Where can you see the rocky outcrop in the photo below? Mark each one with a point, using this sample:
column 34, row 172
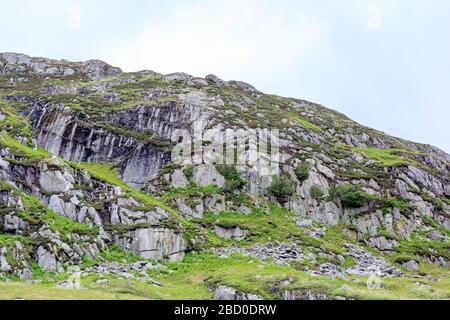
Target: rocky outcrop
column 20, row 63
column 230, row 232
column 92, row 112
column 227, row 293
column 74, row 194
column 151, row 243
column 304, row 295
column 67, row 135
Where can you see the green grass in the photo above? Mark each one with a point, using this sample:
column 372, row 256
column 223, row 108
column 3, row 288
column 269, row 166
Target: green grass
column 7, row 240
column 14, row 124
column 192, row 190
column 21, row 290
column 308, row 125
column 191, row 279
column 418, row 247
column 21, row 150
column 387, row 157
column 277, row 225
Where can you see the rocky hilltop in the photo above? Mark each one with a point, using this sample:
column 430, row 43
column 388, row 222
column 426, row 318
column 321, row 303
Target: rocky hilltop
column 88, row 179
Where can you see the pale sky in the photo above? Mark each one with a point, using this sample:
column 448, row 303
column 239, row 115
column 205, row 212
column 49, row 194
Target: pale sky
column 384, row 63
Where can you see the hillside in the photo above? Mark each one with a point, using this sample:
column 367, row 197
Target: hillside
column 308, row 204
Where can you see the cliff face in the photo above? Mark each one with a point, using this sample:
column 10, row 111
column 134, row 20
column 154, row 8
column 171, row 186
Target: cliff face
column 85, row 163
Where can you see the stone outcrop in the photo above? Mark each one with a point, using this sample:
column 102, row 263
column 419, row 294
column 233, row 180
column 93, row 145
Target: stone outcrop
column 227, row 293
column 152, row 243
column 94, row 113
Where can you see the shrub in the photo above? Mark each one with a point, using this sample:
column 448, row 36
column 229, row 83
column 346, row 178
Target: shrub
column 189, row 171
column 393, row 203
column 351, row 196
column 316, row 192
column 302, row 171
column 233, row 179
column 282, row 188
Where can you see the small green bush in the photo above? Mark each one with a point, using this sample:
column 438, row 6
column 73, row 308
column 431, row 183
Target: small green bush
column 302, row 171
column 317, row 192
column 282, row 188
column 233, row 179
column 392, row 202
column 351, row 196
column 189, row 171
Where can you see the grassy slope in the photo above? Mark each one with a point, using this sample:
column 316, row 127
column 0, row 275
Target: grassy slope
column 19, row 290
column 188, row 279
column 191, row 280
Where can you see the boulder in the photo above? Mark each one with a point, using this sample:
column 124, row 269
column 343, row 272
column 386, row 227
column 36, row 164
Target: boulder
column 4, row 265
column 215, row 79
column 411, row 266
column 304, row 295
column 154, row 243
column 205, row 175
column 54, row 182
column 231, row 232
column 96, row 69
column 177, row 76
column 179, row 179
column 47, row 261
column 227, row 293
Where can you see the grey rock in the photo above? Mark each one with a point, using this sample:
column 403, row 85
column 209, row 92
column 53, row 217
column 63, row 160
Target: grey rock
column 383, row 244
column 177, row 76
column 367, row 264
column 179, row 179
column 411, row 266
column 437, row 236
column 205, row 175
column 281, row 254
column 215, row 79
column 243, row 85
column 16, row 58
column 46, row 260
column 303, row 295
column 4, row 265
column 97, row 69
column 227, row 293
column 152, row 243
column 303, row 223
column 54, row 182
column 230, row 232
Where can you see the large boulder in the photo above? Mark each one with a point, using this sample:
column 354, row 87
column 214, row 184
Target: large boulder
column 154, row 243
column 54, row 182
column 227, row 293
column 96, row 69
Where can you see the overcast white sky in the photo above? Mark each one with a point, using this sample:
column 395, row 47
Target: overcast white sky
column 384, row 63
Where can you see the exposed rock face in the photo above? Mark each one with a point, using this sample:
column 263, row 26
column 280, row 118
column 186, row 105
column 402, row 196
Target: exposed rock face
column 230, row 233
column 282, row 254
column 227, row 293
column 411, row 266
column 304, row 295
column 92, row 112
column 64, row 190
column 18, row 63
column 158, row 244
column 367, row 264
column 61, row 133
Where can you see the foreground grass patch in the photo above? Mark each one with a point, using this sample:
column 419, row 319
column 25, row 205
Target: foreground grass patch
column 387, row 157
column 200, row 273
column 20, row 290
